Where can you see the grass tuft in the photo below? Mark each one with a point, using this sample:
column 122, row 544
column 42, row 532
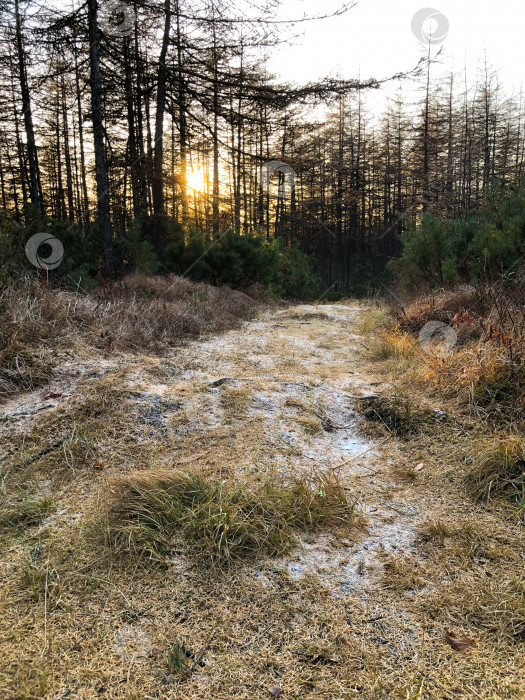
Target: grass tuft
column 399, row 416
column 395, row 344
column 435, row 531
column 374, row 319
column 400, row 574
column 178, row 659
column 310, row 424
column 41, row 582
column 463, row 538
column 498, row 468
column 236, row 402
column 158, row 513
column 26, row 510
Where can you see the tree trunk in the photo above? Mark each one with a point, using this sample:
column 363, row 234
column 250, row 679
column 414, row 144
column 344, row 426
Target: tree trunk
column 34, row 184
column 101, row 178
column 158, row 180
column 182, row 121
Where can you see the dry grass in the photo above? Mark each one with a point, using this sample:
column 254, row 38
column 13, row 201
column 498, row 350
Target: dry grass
column 23, row 368
column 463, row 540
column 314, row 417
column 375, row 318
column 481, row 377
column 496, row 605
column 158, row 513
column 436, row 531
column 311, row 417
column 78, row 619
column 399, row 416
column 477, row 377
column 236, row 401
column 38, row 323
column 22, row 509
column 466, row 572
column 485, row 370
column 40, row 582
column 67, row 440
column 473, row 577
column 441, row 306
column 394, row 344
column 401, row 574
column 310, row 424
column 497, row 467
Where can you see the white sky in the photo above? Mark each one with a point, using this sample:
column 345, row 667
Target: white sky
column 375, row 39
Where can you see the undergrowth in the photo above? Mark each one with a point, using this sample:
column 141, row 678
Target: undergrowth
column 497, row 467
column 483, row 375
column 40, row 324
column 486, row 369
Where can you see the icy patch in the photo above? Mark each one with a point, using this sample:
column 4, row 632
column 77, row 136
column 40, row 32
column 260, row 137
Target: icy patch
column 132, row 644
column 204, row 411
column 351, row 445
column 354, row 566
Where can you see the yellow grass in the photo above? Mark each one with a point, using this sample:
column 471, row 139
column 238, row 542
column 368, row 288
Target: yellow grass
column 96, row 617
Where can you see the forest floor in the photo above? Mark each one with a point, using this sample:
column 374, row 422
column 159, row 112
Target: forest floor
column 358, row 612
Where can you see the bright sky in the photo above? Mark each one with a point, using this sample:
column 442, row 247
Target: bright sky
column 375, row 39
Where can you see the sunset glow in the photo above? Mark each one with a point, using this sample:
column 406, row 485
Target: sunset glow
column 195, row 180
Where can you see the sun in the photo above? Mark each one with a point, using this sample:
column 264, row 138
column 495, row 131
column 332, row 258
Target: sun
column 195, row 179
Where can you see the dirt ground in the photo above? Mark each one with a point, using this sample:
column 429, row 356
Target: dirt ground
column 358, row 614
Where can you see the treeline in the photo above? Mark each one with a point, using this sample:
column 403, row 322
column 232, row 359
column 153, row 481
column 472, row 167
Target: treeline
column 150, row 121
column 481, row 246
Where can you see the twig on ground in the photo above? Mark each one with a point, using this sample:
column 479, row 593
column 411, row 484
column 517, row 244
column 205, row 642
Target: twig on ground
column 43, row 452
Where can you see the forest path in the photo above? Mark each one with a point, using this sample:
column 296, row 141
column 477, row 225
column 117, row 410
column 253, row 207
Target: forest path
column 286, row 384
column 279, row 392
column 342, row 615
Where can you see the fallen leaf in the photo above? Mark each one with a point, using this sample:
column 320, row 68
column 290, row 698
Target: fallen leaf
column 459, row 643
column 275, row 690
column 419, row 467
column 51, row 395
column 191, row 458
